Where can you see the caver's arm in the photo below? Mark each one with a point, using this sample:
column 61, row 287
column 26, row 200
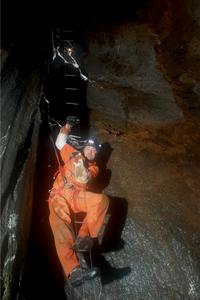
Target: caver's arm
column 65, row 149
column 62, row 136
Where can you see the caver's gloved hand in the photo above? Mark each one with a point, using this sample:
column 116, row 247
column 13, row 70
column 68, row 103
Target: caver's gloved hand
column 61, row 209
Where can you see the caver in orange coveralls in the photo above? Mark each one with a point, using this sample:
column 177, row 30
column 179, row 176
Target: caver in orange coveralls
column 69, row 194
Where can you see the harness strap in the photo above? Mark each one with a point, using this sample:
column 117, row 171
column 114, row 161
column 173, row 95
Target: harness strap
column 54, row 192
column 74, row 198
column 58, row 191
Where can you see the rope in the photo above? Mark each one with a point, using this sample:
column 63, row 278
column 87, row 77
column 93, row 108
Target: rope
column 55, row 150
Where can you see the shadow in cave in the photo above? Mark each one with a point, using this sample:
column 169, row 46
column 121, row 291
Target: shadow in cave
column 118, row 211
column 43, row 277
column 103, row 178
column 112, row 241
column 117, row 206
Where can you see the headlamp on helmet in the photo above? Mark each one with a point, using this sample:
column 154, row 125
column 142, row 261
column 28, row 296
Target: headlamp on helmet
column 92, row 143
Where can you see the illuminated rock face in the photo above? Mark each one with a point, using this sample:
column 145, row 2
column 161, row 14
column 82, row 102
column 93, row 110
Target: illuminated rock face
column 145, row 102
column 126, row 79
column 19, row 135
column 143, row 94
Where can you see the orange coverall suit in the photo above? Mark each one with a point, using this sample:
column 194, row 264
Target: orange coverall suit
column 68, row 194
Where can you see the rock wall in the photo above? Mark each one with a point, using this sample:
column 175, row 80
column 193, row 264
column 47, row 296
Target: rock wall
column 20, row 119
column 122, row 67
column 144, row 99
column 178, row 49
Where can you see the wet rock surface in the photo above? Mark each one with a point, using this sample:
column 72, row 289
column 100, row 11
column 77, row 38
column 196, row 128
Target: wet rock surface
column 125, row 78
column 154, row 135
column 158, row 258
column 19, row 137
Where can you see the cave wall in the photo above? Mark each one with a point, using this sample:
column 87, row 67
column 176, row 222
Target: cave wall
column 20, row 121
column 144, row 99
column 122, row 66
column 154, row 60
column 178, row 49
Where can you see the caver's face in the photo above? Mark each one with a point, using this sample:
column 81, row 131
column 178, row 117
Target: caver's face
column 90, row 152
